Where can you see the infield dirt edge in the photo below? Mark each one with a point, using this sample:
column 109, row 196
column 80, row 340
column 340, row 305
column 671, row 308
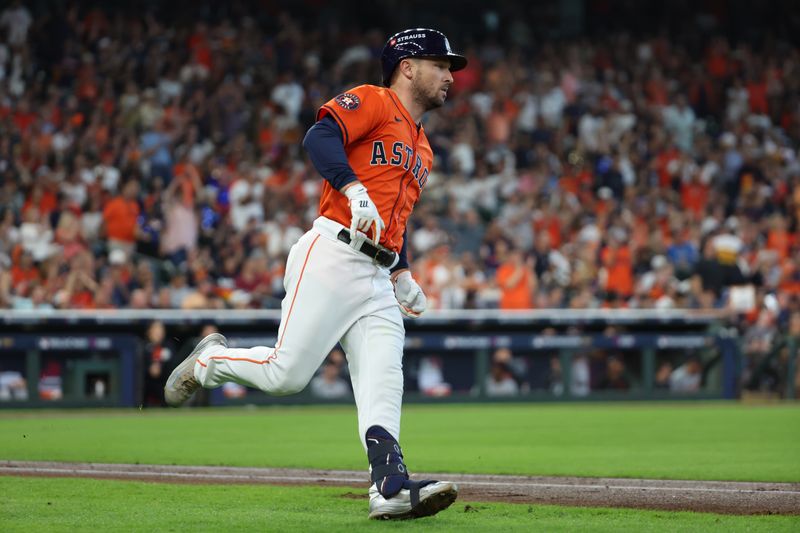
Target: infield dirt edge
column 723, row 497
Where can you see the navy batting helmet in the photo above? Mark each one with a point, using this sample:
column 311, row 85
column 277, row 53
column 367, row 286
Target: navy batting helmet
column 417, row 42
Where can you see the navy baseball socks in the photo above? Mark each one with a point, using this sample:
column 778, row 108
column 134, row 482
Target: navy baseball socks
column 392, row 494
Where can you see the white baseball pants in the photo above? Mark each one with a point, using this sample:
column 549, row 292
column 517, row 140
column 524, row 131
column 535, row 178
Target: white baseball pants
column 333, row 294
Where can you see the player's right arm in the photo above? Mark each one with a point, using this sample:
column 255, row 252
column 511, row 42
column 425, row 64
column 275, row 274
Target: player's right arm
column 325, row 145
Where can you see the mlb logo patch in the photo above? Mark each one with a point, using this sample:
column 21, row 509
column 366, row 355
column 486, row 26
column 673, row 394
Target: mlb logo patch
column 348, row 101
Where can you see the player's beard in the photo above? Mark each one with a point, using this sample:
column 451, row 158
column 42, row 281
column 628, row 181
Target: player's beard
column 428, row 96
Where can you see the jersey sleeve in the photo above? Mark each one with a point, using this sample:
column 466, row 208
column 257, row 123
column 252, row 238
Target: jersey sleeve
column 324, row 143
column 402, row 260
column 357, row 112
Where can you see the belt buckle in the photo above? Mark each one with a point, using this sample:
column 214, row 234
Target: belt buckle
column 375, row 259
column 383, row 257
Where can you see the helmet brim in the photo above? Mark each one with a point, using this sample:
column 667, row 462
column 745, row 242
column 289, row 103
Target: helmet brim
column 457, row 62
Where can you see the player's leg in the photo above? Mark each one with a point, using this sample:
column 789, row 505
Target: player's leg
column 323, row 294
column 374, row 348
column 321, row 297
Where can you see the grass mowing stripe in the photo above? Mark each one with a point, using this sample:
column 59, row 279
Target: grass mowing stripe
column 90, row 505
column 722, row 441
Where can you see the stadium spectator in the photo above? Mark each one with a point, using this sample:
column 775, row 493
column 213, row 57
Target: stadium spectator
column 118, row 278
column 517, row 366
column 157, row 353
column 35, row 235
column 500, row 381
column 687, row 377
column 181, row 227
column 119, row 218
column 615, row 376
column 245, row 198
column 328, row 384
column 430, row 378
column 16, row 20
column 579, row 373
column 13, row 386
column 762, row 372
column 516, row 280
column 50, row 384
column 662, row 377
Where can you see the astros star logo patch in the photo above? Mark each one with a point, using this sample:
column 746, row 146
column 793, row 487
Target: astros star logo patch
column 348, row 101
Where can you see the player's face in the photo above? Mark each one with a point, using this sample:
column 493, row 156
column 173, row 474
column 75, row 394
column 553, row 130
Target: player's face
column 432, row 79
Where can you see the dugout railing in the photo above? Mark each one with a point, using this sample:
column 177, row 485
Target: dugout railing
column 101, row 360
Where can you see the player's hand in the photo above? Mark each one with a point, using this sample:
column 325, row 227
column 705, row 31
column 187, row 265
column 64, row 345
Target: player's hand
column 409, row 295
column 364, row 214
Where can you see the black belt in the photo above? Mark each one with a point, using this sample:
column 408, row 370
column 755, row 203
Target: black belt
column 379, row 255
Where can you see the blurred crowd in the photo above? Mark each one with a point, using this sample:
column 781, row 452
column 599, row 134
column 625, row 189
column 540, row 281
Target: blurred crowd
column 149, row 163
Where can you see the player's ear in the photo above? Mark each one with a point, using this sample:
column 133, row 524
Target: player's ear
column 406, row 67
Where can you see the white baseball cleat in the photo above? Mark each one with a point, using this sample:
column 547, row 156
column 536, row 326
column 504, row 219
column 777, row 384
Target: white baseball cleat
column 432, row 499
column 181, row 384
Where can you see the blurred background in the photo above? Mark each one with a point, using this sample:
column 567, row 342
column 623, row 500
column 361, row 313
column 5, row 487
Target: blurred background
column 613, row 211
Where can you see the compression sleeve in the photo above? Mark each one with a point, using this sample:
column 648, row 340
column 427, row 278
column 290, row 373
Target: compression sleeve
column 403, row 255
column 325, row 145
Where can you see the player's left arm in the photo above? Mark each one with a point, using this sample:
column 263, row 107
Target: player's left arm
column 409, row 294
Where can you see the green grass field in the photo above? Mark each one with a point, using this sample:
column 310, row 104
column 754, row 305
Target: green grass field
column 677, row 441
column 719, row 441
column 30, row 504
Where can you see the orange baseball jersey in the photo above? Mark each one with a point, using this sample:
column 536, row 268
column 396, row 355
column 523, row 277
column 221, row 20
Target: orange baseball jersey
column 389, row 154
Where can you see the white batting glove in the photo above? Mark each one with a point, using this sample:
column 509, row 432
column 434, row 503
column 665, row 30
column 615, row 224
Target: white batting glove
column 409, row 295
column 364, row 215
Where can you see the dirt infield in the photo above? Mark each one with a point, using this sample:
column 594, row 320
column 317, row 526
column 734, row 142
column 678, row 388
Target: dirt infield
column 673, row 495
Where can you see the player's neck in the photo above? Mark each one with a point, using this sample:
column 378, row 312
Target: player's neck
column 414, row 108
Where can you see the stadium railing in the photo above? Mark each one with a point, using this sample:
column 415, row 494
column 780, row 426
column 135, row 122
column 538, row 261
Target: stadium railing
column 98, row 355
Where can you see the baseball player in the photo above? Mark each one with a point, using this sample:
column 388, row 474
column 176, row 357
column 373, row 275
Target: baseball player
column 347, row 280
